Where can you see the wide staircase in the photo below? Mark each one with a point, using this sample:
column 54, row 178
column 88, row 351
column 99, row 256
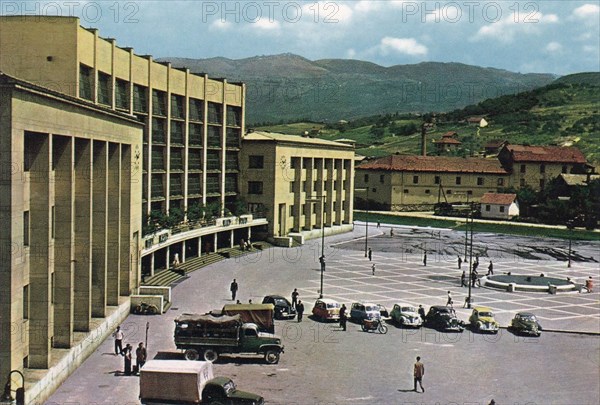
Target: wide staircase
column 172, row 275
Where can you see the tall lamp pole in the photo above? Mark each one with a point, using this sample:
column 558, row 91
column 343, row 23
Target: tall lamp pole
column 366, row 219
column 321, row 199
column 570, row 227
column 469, row 298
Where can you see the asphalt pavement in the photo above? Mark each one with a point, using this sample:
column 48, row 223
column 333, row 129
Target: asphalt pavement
column 323, row 365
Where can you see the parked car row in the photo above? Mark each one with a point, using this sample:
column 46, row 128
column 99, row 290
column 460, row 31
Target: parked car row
column 442, row 318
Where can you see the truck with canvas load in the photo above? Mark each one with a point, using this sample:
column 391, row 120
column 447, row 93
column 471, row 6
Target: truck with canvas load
column 262, row 315
column 184, row 382
column 208, row 337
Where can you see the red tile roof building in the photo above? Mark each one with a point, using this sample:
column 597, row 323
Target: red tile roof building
column 499, row 206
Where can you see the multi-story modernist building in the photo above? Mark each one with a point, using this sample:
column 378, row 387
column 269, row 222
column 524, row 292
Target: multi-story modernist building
column 192, row 124
column 70, row 193
column 298, row 182
column 403, row 182
column 534, row 166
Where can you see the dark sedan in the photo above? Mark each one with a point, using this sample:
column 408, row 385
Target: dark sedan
column 526, row 323
column 444, row 319
column 283, row 308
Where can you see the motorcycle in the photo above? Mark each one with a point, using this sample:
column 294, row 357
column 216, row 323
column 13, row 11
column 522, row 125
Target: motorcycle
column 145, row 309
column 374, row 324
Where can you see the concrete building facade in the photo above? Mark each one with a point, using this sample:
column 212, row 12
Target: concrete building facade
column 296, row 181
column 192, row 123
column 408, row 182
column 499, row 206
column 70, row 194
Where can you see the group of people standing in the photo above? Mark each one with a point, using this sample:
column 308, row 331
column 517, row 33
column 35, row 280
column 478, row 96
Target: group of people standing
column 140, row 353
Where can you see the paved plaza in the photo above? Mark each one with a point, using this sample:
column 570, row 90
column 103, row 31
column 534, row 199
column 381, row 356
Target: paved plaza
column 323, row 365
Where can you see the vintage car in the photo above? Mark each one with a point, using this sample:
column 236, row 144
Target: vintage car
column 482, row 320
column 383, row 311
column 326, row 309
column 444, row 319
column 526, row 323
column 406, row 315
column 283, row 308
column 364, row 310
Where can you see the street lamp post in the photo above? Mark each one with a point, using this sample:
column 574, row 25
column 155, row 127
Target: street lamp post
column 570, row 227
column 321, row 199
column 366, row 219
column 469, row 298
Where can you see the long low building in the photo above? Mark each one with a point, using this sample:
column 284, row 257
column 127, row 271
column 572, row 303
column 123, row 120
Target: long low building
column 409, row 182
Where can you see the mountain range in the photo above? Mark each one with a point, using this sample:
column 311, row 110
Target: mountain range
column 289, row 87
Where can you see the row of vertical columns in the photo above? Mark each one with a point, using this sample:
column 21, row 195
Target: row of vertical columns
column 328, row 204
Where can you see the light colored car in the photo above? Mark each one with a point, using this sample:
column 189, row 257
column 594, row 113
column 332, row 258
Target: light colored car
column 482, row 320
column 406, row 315
column 364, row 310
column 326, row 309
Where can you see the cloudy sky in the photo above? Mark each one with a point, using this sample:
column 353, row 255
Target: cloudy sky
column 523, row 36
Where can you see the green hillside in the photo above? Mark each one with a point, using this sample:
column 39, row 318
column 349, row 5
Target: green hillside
column 565, row 112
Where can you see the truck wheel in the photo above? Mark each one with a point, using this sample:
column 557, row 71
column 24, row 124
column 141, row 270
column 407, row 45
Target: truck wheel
column 211, row 355
column 191, row 355
column 272, row 356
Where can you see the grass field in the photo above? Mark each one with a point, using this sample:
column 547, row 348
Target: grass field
column 516, row 229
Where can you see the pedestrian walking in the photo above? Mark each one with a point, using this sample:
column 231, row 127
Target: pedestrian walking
column 140, row 356
column 343, row 317
column 449, row 302
column 378, row 224
column 422, row 312
column 589, row 284
column 373, row 268
column 425, row 258
column 418, row 373
column 467, row 303
column 463, row 279
column 322, row 261
column 233, row 288
column 295, row 295
column 490, row 269
column 474, row 275
column 300, row 310
column 127, row 359
column 118, row 335
column 370, row 254
column 392, row 232
column 459, row 262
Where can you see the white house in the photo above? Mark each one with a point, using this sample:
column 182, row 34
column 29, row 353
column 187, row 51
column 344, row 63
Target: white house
column 499, row 206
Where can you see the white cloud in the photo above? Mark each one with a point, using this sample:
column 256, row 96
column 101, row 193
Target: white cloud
column 265, row 24
column 510, row 27
column 587, row 11
column 554, row 47
column 221, row 25
column 365, row 6
column 590, row 49
column 407, row 46
column 351, row 53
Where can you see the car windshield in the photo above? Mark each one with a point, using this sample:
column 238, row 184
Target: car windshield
column 409, row 309
column 229, row 387
column 331, row 305
column 371, row 308
column 486, row 314
column 529, row 318
column 280, row 301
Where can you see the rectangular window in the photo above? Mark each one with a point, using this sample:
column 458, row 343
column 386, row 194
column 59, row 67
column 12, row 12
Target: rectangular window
column 500, row 181
column 214, row 137
column 177, row 132
column 196, row 110
column 256, row 162
column 405, row 191
column 140, row 99
column 480, row 181
column 26, row 228
column 437, row 180
column 381, row 178
column 215, row 113
column 415, row 179
column 565, row 169
column 292, row 185
column 104, row 88
column 458, row 180
column 501, row 208
column 469, row 192
column 522, row 182
column 52, row 287
column 315, row 186
column 234, row 116
column 26, row 301
column 159, row 129
column 177, row 106
column 195, row 134
column 85, row 82
column 427, row 191
column 52, row 222
column 449, row 192
column 542, row 168
column 304, row 186
column 122, row 94
column 523, row 168
column 255, row 187
column 488, row 207
column 366, row 178
column 159, row 103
